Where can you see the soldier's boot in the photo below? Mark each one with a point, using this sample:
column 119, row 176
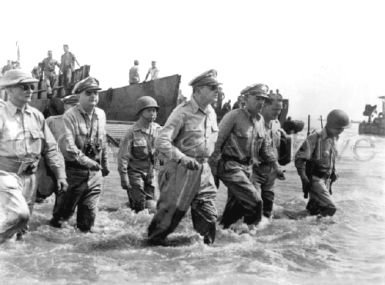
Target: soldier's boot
column 313, row 207
column 55, row 222
column 327, row 211
column 209, row 237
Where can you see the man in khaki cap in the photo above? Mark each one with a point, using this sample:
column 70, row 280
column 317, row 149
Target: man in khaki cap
column 25, row 137
column 241, row 145
column 84, row 147
column 186, row 142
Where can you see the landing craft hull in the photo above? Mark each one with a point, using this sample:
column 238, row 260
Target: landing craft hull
column 119, row 103
column 365, row 128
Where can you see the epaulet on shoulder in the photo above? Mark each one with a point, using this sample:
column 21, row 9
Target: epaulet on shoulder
column 318, row 132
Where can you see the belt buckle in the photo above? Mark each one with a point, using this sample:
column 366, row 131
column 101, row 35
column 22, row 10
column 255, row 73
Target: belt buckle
column 201, row 159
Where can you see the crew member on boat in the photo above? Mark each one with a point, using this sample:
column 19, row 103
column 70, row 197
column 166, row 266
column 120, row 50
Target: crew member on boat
column 67, row 67
column 48, row 66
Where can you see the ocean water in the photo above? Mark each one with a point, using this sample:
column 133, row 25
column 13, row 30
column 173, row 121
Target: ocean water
column 348, row 248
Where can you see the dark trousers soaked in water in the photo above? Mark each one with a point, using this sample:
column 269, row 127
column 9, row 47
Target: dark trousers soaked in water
column 243, row 198
column 181, row 188
column 267, row 188
column 142, row 191
column 84, row 188
column 320, row 202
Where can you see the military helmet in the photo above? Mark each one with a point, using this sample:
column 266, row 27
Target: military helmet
column 337, row 119
column 145, row 102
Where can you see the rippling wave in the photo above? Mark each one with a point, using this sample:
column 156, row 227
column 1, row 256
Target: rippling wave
column 348, row 248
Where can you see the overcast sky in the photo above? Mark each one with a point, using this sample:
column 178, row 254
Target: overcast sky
column 320, row 54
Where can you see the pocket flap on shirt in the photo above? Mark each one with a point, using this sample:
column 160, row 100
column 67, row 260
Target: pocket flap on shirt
column 191, row 128
column 139, row 143
column 36, row 134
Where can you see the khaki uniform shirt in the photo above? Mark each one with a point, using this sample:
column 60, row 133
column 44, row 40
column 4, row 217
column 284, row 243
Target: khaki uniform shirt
column 153, row 71
column 67, row 61
column 134, row 148
column 318, row 148
column 49, row 66
column 189, row 131
column 80, row 130
column 242, row 137
column 273, row 130
column 25, row 135
column 56, row 125
column 134, row 75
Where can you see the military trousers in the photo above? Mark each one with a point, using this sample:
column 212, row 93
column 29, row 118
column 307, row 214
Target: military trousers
column 50, row 81
column 320, row 202
column 243, row 200
column 67, row 78
column 84, row 188
column 14, row 211
column 267, row 188
column 142, row 191
column 28, row 180
column 181, row 188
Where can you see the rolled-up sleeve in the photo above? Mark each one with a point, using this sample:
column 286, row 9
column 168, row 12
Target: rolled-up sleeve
column 164, row 141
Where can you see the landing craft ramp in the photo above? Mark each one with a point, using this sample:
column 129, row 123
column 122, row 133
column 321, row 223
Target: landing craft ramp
column 119, row 103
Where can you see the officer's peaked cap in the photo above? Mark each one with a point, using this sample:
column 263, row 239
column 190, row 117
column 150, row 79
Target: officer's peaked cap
column 258, row 89
column 71, row 99
column 87, row 84
column 208, row 78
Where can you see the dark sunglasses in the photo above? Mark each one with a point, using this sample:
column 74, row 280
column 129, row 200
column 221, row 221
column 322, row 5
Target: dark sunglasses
column 91, row 92
column 27, row 87
column 259, row 95
column 213, row 87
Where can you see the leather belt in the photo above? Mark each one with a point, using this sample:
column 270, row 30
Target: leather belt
column 245, row 161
